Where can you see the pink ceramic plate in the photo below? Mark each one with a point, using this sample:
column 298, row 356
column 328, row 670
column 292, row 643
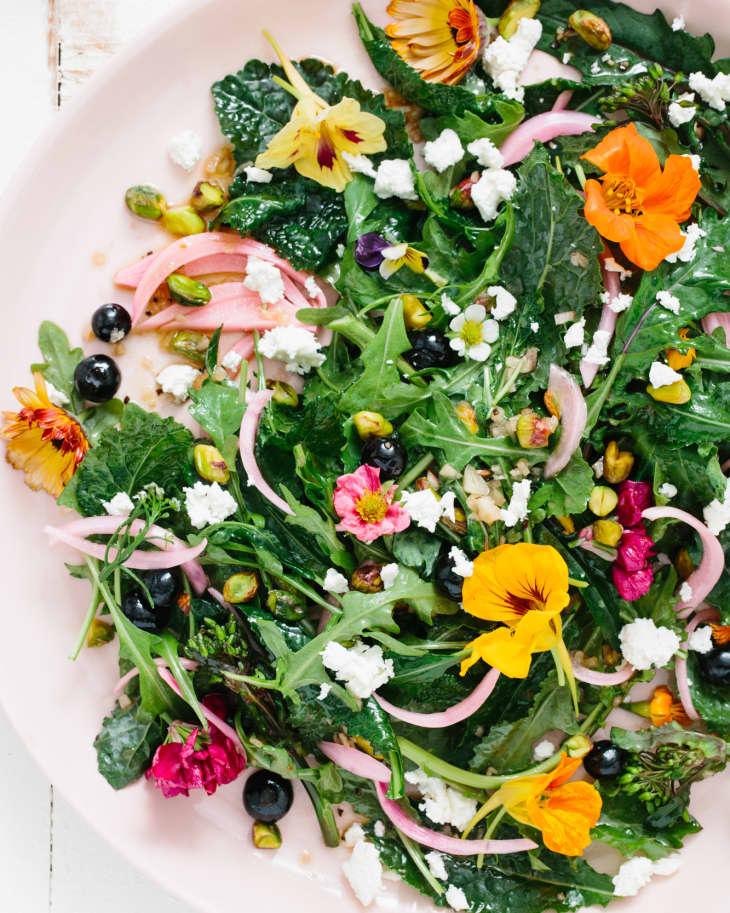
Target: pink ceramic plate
column 64, row 230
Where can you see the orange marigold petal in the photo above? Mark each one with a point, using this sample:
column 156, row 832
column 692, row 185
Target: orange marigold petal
column 624, row 151
column 655, row 235
column 610, row 225
column 673, row 191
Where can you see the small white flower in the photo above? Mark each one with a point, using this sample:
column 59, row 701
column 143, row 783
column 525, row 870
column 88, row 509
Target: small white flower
column 474, row 331
column 661, row 375
column 504, row 302
column 700, row 640
column 667, row 490
column 335, row 582
column 389, row 575
column 460, row 564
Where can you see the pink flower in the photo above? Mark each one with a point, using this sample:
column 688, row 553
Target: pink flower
column 633, row 498
column 632, row 584
column 634, row 549
column 367, row 510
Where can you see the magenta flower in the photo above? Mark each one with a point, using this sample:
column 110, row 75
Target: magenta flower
column 633, row 498
column 634, row 549
column 632, row 585
column 365, row 507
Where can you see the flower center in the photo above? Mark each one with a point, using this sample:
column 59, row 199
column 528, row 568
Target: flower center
column 621, row 193
column 471, row 333
column 371, row 506
column 461, row 25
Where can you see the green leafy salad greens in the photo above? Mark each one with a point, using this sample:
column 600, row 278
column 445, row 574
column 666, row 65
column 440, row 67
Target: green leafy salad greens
column 513, row 378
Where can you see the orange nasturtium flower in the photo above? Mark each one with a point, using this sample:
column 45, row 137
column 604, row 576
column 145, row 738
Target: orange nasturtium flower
column 43, row 440
column 318, row 134
column 525, row 587
column 564, row 812
column 636, row 203
column 720, row 633
column 665, row 708
column 439, row 38
column 678, row 360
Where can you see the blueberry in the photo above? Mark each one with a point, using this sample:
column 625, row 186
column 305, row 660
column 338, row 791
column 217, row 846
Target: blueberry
column 142, row 615
column 267, row 796
column 715, row 665
column 111, row 322
column 604, row 760
column 445, row 578
column 386, row 454
column 431, row 349
column 97, row 378
column 164, row 585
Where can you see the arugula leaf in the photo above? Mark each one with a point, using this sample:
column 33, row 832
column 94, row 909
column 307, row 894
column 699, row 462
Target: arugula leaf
column 623, row 825
column 469, row 126
column 566, row 493
column 217, row 407
column 60, row 362
column 125, row 745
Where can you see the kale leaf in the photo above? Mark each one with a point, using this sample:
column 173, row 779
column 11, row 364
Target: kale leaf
column 566, row 493
column 125, row 745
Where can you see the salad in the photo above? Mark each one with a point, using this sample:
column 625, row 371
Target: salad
column 438, row 524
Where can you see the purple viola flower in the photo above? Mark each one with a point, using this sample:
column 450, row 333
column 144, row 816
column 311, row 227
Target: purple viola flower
column 369, row 250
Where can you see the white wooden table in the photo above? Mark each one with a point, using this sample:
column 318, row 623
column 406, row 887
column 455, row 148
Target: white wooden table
column 49, row 859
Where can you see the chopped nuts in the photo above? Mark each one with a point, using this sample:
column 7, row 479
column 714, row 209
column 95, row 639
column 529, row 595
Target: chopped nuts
column 592, row 29
column 607, row 532
column 534, row 431
column 602, row 500
column 617, row 464
column 465, row 412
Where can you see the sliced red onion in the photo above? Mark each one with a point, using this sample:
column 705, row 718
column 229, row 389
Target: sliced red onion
column 603, row 679
column 562, row 101
column 544, row 127
column 188, row 664
column 573, row 418
column 607, row 323
column 256, row 403
column 717, row 319
column 455, row 714
column 355, row 761
column 704, row 577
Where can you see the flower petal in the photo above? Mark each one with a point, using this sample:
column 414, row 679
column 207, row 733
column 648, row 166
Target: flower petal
column 613, row 226
column 655, row 235
column 475, row 312
column 673, row 191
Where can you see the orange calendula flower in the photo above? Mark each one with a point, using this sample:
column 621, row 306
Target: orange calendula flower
column 563, row 812
column 439, row 38
column 525, row 587
column 43, row 440
column 720, row 633
column 319, row 135
column 636, row 203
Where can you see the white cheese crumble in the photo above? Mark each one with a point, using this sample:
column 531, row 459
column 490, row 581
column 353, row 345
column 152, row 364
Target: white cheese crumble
column 636, row 873
column 379, row 829
column 517, row 509
column 682, row 114
column 185, row 149
column 696, row 161
column 644, row 645
column 449, row 305
column 700, row 640
column 295, row 346
column 231, row 361
column 176, row 380
column 685, row 592
column 311, row 287
column 661, row 375
column 543, row 750
column 425, row 509
column 442, row 803
column 455, row 897
column 717, row 513
column 597, row 468
column 667, row 490
column 563, row 317
column 715, row 92
column 362, row 668
column 324, row 690
column 444, row 151
column 335, row 582
column 597, row 353
column 354, row 834
column 121, row 505
column 485, row 152
column 257, row 175
column 364, row 871
column 208, row 504
column 460, row 564
column 575, row 334
column 340, row 250
column 394, row 178
column 677, row 23
column 389, row 575
column 492, row 188
column 359, row 164
column 668, row 301
column 534, row 326
column 687, row 253
column 504, row 302
column 265, row 278
column 618, row 304
column 505, row 60
column 436, row 865
column 56, row 396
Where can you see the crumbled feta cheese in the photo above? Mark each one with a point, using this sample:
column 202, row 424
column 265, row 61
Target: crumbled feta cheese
column 425, row 509
column 116, row 335
column 644, row 645
column 517, row 509
column 231, row 361
column 682, row 114
column 450, row 307
column 340, row 250
column 359, row 164
column 379, row 829
column 208, row 504
column 455, row 897
column 389, row 575
column 677, row 23
column 717, row 513
column 597, row 468
column 364, row 871
column 685, row 592
column 444, row 151
column 667, row 490
column 311, row 287
column 636, row 873
column 692, row 235
column 714, row 92
column 394, row 178
column 460, row 564
column 324, row 690
column 543, row 750
column 597, row 353
column 176, row 380
column 575, row 334
column 595, row 68
column 354, row 834
column 696, row 161
column 442, row 803
column 265, row 278
column 486, row 153
column 121, row 505
column 362, row 668
column 535, row 326
column 56, row 396
column 567, row 57
column 700, row 640
column 295, row 346
column 618, row 304
column 493, row 187
column 668, row 301
column 335, row 582
column 505, row 60
column 185, row 149
column 257, row 175
column 504, row 302
column 661, row 375
column 436, row 865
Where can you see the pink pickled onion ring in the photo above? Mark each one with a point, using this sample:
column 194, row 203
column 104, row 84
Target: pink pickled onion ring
column 355, row 761
column 562, row 101
column 704, row 577
column 455, row 714
column 603, row 679
column 188, row 664
column 607, row 323
column 680, row 665
column 717, row 319
column 573, row 418
column 544, row 127
column 247, row 438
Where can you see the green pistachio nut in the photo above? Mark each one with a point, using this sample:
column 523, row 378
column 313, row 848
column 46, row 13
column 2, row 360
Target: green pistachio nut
column 534, row 431
column 285, row 605
column 516, row 10
column 100, row 633
column 189, row 343
column 241, row 587
column 207, row 196
column 183, row 220
column 607, row 532
column 592, row 29
column 371, row 424
column 188, row 291
column 266, row 836
column 460, row 196
column 146, row 202
column 366, row 578
column 415, row 314
column 209, row 464
column 284, row 393
column 577, row 746
column 602, row 500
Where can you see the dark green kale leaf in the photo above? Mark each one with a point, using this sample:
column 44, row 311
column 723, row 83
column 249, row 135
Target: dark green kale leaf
column 417, row 549
column 712, row 702
column 125, row 745
column 623, row 825
column 60, row 362
column 469, row 126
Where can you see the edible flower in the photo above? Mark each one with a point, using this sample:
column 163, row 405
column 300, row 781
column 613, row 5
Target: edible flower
column 720, row 633
column 563, row 812
column 43, row 440
column 662, row 708
column 438, row 38
column 318, row 134
column 636, row 203
column 678, row 360
column 525, row 587
column 632, row 574
column 372, row 251
column 366, row 508
column 474, row 332
column 634, row 549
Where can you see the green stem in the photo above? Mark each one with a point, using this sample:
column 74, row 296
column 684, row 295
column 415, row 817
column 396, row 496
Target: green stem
column 598, row 403
column 415, row 470
column 491, row 267
column 86, row 624
column 507, row 384
column 416, row 854
column 261, row 377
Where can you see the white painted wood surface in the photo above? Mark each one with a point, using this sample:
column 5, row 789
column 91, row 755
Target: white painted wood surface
column 50, row 860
